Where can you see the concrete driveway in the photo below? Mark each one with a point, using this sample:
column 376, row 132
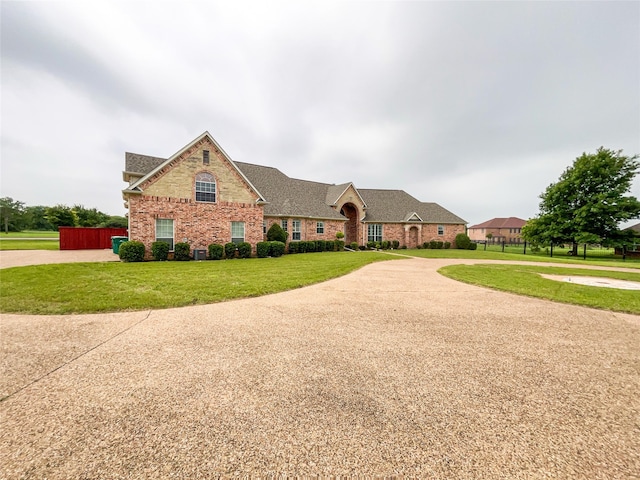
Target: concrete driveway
column 392, row 370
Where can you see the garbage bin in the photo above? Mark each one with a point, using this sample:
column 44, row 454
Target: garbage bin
column 115, row 243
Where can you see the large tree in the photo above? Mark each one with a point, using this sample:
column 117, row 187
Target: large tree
column 61, row 216
column 588, row 202
column 11, row 212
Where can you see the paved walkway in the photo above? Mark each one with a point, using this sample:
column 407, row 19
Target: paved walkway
column 390, row 370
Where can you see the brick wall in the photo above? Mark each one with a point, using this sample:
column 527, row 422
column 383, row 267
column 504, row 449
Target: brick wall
column 200, row 223
column 422, row 232
column 308, row 228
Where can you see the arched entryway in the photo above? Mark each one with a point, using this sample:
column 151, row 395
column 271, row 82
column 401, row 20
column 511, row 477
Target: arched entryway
column 413, row 237
column 350, row 211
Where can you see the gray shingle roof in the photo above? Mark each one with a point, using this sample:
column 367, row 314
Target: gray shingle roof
column 142, row 164
column 289, row 196
column 395, row 206
column 500, row 222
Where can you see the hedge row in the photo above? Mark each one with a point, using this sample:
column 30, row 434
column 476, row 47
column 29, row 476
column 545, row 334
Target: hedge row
column 134, row 251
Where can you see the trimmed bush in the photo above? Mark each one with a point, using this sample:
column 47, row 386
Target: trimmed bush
column 276, row 234
column 385, row 244
column 339, row 245
column 419, row 246
column 311, row 246
column 262, row 249
column 433, row 244
column 302, row 247
column 216, row 251
column 230, row 250
column 244, row 250
column 447, row 245
column 329, row 246
column 354, row 245
column 294, row 247
column 131, row 251
column 425, row 245
column 181, row 252
column 463, row 241
column 160, row 251
column 371, row 245
column 362, row 247
column 339, row 235
column 439, row 245
column 276, row 249
column 395, row 244
column 473, row 246
column 320, row 245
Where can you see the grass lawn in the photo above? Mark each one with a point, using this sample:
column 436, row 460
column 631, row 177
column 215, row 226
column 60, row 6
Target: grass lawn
column 109, row 287
column 526, row 280
column 30, row 234
column 16, row 244
column 495, row 255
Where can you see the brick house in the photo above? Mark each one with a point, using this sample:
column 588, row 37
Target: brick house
column 508, row 230
column 201, row 196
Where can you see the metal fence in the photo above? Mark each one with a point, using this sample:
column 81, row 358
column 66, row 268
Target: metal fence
column 584, row 250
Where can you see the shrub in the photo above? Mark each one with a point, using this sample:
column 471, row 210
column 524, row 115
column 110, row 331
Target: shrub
column 420, row 247
column 425, row 245
column 339, row 245
column 473, row 246
column 462, row 241
column 262, row 249
column 215, row 251
column 330, row 246
column 395, row 244
column 131, row 251
column 439, row 244
column 371, row 245
column 276, row 249
column 160, row 251
column 447, row 245
column 385, row 245
column 244, row 250
column 293, row 247
column 433, row 244
column 320, row 245
column 362, row 247
column 302, row 247
column 404, row 247
column 354, row 245
column 181, row 252
column 277, row 234
column 311, row 246
column 230, row 250
column 339, row 235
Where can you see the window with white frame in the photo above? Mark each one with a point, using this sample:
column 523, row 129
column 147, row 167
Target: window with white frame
column 440, row 229
column 285, row 225
column 205, row 188
column 295, row 226
column 237, row 232
column 319, row 227
column 164, row 231
column 374, row 232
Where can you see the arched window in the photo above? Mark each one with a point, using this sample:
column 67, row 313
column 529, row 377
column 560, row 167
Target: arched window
column 205, row 188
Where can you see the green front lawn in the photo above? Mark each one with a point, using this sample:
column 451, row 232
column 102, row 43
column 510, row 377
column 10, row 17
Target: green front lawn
column 16, row 244
column 526, row 280
column 30, row 234
column 113, row 286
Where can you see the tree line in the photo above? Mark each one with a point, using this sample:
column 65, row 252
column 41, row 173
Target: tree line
column 17, row 217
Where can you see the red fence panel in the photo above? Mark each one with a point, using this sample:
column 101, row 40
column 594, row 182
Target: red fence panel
column 82, row 238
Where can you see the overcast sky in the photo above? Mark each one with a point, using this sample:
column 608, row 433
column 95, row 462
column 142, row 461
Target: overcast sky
column 477, row 106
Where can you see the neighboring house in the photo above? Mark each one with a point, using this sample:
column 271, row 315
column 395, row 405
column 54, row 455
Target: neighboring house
column 633, row 249
column 500, row 230
column 199, row 195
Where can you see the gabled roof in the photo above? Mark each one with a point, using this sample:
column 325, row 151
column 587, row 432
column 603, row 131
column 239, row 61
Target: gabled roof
column 287, row 196
column 510, row 222
column 394, row 206
column 635, row 228
column 155, row 164
column 336, row 191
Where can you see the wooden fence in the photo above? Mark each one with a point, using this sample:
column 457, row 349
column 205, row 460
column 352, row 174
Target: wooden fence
column 81, row 238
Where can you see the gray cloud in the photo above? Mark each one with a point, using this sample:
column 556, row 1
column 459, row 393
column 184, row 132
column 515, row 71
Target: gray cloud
column 475, row 105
